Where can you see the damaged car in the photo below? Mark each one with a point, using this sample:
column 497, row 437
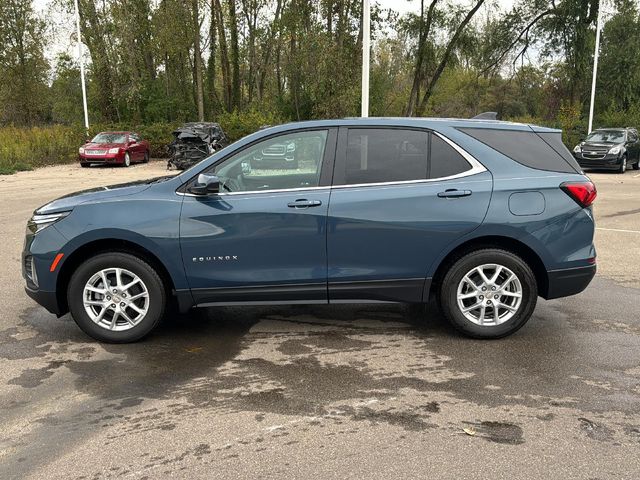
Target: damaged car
column 193, row 142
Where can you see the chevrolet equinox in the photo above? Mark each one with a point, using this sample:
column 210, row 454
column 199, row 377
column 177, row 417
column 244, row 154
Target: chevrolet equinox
column 484, row 216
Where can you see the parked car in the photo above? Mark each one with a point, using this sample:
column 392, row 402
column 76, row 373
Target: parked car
column 484, row 216
column 278, row 155
column 610, row 149
column 193, row 142
column 118, row 148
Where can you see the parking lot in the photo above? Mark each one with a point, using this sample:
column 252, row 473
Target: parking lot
column 349, row 391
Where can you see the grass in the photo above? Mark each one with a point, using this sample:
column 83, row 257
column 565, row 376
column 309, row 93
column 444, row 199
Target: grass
column 25, row 148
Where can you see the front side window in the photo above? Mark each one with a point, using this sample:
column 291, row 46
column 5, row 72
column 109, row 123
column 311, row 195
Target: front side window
column 633, row 136
column 287, row 161
column 376, row 155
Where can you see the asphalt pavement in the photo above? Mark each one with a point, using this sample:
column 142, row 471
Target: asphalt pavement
column 349, row 391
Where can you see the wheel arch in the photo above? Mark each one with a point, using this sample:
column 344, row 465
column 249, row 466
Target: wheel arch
column 509, row 244
column 95, row 247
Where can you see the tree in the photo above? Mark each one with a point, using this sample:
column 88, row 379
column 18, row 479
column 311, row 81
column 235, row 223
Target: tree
column 23, row 90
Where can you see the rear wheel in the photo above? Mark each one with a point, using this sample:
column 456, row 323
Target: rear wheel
column 636, row 166
column 116, row 297
column 146, row 157
column 84, row 164
column 488, row 293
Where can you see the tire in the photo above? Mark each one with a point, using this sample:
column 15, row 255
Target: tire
column 146, row 157
column 636, row 166
column 85, row 165
column 509, row 319
column 127, row 159
column 98, row 323
column 623, row 164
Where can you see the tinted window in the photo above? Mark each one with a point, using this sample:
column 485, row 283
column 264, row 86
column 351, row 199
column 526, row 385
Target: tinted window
column 633, row 136
column 445, row 160
column 554, row 139
column 385, row 155
column 286, row 161
column 525, row 147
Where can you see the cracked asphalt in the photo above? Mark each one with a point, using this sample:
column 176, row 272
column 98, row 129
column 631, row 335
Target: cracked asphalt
column 348, row 391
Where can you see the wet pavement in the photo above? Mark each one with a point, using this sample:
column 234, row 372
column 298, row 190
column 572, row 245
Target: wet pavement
column 349, row 391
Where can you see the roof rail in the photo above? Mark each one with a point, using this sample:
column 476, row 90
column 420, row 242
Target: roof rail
column 486, row 116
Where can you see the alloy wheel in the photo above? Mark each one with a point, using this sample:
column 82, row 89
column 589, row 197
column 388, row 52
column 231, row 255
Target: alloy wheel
column 489, row 295
column 116, row 299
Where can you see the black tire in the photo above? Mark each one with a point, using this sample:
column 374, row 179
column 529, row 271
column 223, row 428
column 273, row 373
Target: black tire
column 636, row 166
column 146, row 273
column 127, row 160
column 449, row 290
column 623, row 164
column 146, row 157
column 85, row 165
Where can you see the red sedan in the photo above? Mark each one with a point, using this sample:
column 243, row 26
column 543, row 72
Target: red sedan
column 117, row 148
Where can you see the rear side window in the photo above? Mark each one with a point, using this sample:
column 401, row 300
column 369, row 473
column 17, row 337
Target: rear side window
column 554, row 140
column 376, row 155
column 445, row 160
column 525, row 147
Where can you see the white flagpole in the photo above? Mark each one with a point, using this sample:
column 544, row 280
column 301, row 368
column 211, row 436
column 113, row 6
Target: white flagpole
column 84, row 88
column 595, row 67
column 366, row 46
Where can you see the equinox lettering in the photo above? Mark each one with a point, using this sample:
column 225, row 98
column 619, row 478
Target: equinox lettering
column 215, row 258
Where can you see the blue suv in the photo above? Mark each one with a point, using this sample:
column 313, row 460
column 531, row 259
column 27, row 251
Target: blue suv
column 484, row 216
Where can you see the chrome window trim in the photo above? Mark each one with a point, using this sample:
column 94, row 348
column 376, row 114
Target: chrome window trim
column 476, row 167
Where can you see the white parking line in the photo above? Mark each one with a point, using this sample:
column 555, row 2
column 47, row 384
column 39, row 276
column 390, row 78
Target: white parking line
column 617, row 230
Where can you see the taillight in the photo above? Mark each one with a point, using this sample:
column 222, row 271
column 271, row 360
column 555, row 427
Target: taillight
column 584, row 193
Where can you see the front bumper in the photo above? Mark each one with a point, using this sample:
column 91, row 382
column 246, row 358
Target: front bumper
column 608, row 162
column 108, row 158
column 48, row 300
column 569, row 281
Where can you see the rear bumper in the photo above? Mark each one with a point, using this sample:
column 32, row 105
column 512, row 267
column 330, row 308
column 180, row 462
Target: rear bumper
column 569, row 281
column 48, row 300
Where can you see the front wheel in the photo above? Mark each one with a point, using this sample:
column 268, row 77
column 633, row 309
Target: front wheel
column 127, row 159
column 488, row 293
column 623, row 164
column 116, row 297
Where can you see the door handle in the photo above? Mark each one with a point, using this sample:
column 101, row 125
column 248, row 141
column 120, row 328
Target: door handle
column 304, row 203
column 454, row 193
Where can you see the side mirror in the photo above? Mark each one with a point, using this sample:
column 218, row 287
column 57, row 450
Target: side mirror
column 205, row 185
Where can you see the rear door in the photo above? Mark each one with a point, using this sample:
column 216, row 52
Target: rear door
column 400, row 196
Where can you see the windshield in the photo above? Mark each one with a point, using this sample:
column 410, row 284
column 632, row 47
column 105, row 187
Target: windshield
column 612, row 136
column 110, row 138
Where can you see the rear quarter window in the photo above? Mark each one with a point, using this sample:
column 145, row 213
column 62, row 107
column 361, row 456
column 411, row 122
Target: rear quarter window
column 528, row 148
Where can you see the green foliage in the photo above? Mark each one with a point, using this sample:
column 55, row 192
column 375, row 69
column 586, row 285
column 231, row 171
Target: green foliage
column 23, row 148
column 237, row 125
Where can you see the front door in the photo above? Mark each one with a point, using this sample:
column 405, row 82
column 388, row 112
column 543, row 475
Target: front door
column 263, row 238
column 400, row 197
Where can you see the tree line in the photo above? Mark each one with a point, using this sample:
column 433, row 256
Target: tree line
column 177, row 60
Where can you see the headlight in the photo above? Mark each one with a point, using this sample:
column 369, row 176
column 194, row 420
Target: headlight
column 577, row 149
column 114, row 150
column 38, row 222
column 615, row 150
column 81, row 150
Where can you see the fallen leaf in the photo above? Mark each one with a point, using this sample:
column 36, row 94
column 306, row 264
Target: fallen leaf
column 469, row 431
